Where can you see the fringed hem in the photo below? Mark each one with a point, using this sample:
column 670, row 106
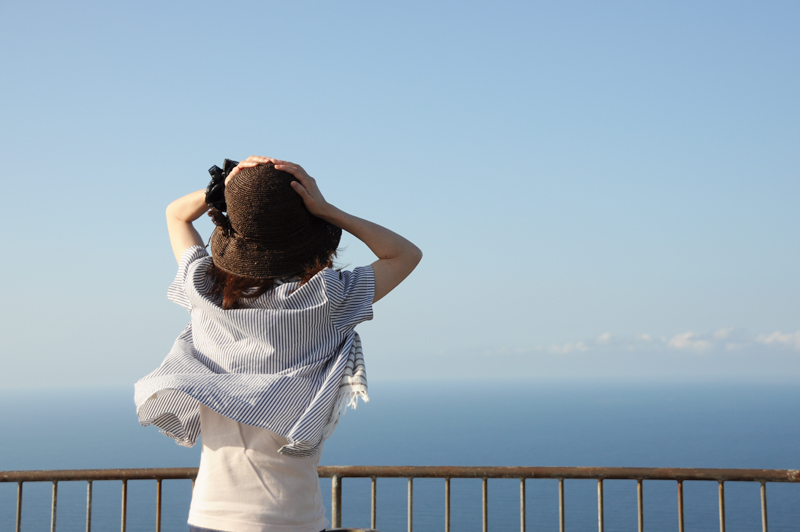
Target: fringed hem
column 347, row 398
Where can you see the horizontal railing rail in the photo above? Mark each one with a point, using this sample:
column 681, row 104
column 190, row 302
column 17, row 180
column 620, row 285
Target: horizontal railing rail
column 590, row 473
column 337, row 473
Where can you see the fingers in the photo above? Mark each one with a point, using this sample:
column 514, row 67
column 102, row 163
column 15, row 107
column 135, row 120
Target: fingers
column 292, row 169
column 286, row 166
column 300, row 189
column 231, row 174
column 255, row 160
column 258, row 159
column 295, row 169
column 306, row 181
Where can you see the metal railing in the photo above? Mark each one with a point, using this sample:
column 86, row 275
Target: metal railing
column 338, row 473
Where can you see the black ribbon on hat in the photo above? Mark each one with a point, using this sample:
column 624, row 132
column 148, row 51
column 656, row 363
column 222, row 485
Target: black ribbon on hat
column 222, row 221
column 215, row 192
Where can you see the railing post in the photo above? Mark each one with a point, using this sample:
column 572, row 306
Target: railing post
column 600, row 505
column 485, row 497
column 721, row 506
column 336, row 501
column 522, row 505
column 411, row 504
column 89, row 506
column 561, row 526
column 124, row 518
column 158, row 505
column 680, row 506
column 373, row 521
column 640, row 501
column 764, row 506
column 53, row 507
column 447, row 504
column 19, row 506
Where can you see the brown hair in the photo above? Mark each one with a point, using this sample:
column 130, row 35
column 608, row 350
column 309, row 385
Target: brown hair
column 234, row 288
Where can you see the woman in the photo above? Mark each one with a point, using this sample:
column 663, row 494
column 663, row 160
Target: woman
column 270, row 355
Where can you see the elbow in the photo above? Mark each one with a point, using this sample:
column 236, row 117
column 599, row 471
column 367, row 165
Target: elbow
column 170, row 211
column 416, row 255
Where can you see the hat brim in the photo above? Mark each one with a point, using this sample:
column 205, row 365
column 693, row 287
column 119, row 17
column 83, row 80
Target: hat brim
column 258, row 259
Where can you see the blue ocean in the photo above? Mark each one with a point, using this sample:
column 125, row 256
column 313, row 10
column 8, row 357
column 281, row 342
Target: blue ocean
column 729, row 425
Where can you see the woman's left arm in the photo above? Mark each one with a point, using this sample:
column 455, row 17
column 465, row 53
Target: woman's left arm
column 180, row 215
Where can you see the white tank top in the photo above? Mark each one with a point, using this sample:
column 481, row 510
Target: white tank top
column 245, row 485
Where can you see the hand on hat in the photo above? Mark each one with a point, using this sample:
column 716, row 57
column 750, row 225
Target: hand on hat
column 253, row 160
column 307, row 187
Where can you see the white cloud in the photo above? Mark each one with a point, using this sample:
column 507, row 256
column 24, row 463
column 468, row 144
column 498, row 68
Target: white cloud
column 779, row 339
column 723, row 334
column 570, row 347
column 603, row 339
column 727, row 339
column 735, row 346
column 689, row 341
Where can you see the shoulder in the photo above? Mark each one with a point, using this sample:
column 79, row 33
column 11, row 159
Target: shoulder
column 197, row 264
column 350, row 294
column 343, row 283
column 193, row 254
column 179, row 291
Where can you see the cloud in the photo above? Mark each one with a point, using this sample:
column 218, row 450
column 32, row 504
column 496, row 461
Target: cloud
column 689, row 341
column 723, row 334
column 779, row 339
column 565, row 349
column 726, row 339
column 603, row 339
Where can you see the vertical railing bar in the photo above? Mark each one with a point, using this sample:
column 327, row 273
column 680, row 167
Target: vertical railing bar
column 124, row 516
column 600, row 505
column 88, row 506
column 721, row 506
column 336, row 501
column 680, row 506
column 411, row 504
column 53, row 507
column 640, row 501
column 158, row 504
column 373, row 521
column 764, row 506
column 19, row 506
column 446, row 504
column 561, row 505
column 485, row 500
column 522, row 508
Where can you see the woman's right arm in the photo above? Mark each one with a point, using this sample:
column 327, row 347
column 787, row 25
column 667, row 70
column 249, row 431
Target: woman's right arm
column 183, row 211
column 397, row 257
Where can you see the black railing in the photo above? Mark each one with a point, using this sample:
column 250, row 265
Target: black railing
column 338, row 473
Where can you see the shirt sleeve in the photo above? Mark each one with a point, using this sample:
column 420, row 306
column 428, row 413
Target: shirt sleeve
column 350, row 295
column 177, row 290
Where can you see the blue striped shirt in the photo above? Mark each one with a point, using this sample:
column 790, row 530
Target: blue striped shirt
column 276, row 363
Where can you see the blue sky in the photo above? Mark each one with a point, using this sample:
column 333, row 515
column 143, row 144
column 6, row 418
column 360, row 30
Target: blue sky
column 602, row 190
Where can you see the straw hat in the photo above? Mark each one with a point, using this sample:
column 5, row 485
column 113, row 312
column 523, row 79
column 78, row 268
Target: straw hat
column 268, row 231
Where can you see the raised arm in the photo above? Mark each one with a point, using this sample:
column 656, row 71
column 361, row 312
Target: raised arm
column 397, row 257
column 180, row 215
column 183, row 211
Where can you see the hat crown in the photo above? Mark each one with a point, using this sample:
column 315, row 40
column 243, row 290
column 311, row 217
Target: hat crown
column 263, row 205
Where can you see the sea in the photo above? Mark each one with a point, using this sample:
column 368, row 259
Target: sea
column 469, row 423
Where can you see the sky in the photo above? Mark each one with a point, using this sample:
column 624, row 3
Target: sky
column 602, row 191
